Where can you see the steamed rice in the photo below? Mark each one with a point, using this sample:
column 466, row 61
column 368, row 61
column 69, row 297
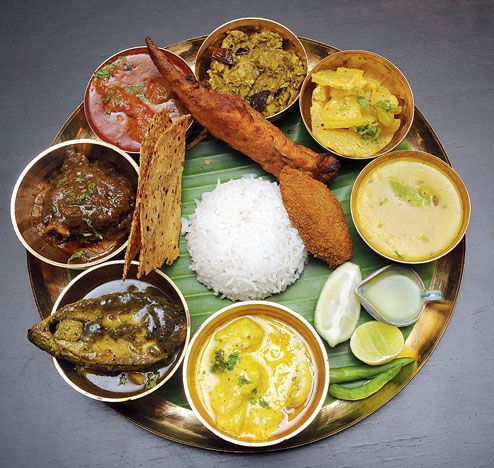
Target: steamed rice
column 241, row 242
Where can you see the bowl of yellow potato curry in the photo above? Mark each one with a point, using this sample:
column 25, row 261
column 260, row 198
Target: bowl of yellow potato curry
column 357, row 104
column 256, row 373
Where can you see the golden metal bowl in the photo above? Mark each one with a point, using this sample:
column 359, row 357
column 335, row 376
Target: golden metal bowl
column 36, row 176
column 277, row 312
column 378, row 67
column 291, row 41
column 105, row 279
column 442, row 167
column 178, row 61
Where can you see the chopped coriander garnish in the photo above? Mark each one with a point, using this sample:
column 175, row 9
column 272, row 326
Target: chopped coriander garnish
column 80, row 180
column 107, row 70
column 54, row 208
column 221, row 364
column 369, row 131
column 87, row 234
column 385, row 105
column 98, row 235
column 60, row 182
column 109, row 95
column 152, row 380
column 88, row 222
column 143, row 98
column 242, row 380
column 80, row 197
column 263, row 403
column 76, row 254
column 134, row 89
column 91, row 185
column 363, row 102
column 122, row 380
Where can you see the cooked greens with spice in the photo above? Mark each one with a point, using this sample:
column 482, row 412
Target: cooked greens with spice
column 258, row 68
column 87, row 203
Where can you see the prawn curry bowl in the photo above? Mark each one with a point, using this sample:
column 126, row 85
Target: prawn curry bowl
column 256, row 373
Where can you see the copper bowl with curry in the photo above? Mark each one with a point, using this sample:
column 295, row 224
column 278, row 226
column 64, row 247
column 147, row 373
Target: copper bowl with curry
column 257, row 59
column 256, row 373
column 72, row 205
column 357, row 104
column 125, row 92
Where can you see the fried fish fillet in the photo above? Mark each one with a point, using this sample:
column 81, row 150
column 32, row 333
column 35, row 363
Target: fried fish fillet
column 317, row 215
column 232, row 120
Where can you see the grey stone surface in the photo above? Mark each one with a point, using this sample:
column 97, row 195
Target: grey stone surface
column 445, row 48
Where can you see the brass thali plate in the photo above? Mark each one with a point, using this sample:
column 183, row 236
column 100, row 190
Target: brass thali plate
column 178, row 423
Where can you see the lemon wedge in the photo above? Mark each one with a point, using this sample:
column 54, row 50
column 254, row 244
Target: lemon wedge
column 338, row 308
column 376, row 343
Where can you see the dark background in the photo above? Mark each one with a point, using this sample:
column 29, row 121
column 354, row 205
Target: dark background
column 445, row 48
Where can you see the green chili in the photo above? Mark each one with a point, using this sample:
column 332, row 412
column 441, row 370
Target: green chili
column 353, row 373
column 367, row 389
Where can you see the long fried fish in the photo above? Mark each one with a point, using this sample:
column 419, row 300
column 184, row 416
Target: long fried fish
column 317, row 215
column 125, row 331
column 232, row 120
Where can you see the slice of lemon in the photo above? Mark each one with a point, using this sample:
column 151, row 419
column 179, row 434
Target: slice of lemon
column 376, row 343
column 338, row 308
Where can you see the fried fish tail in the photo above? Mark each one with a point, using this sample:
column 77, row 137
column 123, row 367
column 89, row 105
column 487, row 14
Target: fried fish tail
column 232, row 120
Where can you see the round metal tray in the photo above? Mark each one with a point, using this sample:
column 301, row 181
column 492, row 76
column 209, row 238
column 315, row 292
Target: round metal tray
column 178, row 423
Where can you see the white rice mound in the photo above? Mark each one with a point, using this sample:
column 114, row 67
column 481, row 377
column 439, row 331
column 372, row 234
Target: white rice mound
column 241, row 242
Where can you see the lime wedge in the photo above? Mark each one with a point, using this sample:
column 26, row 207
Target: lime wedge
column 338, row 308
column 376, row 343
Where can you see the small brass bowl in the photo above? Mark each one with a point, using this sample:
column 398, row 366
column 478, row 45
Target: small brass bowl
column 281, row 314
column 445, row 169
column 36, row 177
column 106, row 279
column 178, row 61
column 290, row 40
column 378, row 67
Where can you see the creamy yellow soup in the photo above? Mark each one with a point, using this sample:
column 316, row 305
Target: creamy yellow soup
column 255, row 377
column 408, row 209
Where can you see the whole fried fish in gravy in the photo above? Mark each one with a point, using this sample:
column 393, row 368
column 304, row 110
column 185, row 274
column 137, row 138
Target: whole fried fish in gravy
column 124, row 331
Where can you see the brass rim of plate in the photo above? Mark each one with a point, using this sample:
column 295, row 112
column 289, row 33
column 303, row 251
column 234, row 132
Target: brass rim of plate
column 443, row 168
column 381, row 68
column 274, row 311
column 250, row 24
column 103, row 394
column 15, row 205
column 176, row 423
column 179, row 61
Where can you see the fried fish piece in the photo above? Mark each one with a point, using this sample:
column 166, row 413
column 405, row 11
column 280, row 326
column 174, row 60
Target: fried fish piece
column 124, row 331
column 232, row 120
column 317, row 215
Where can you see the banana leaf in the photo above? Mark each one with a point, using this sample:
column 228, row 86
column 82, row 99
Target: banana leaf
column 212, row 161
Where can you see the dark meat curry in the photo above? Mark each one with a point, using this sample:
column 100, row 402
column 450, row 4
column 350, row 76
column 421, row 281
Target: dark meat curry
column 88, row 204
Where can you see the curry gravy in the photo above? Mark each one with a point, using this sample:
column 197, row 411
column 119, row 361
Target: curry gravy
column 255, row 377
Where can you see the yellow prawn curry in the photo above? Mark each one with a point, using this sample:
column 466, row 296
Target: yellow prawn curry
column 353, row 113
column 255, row 377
